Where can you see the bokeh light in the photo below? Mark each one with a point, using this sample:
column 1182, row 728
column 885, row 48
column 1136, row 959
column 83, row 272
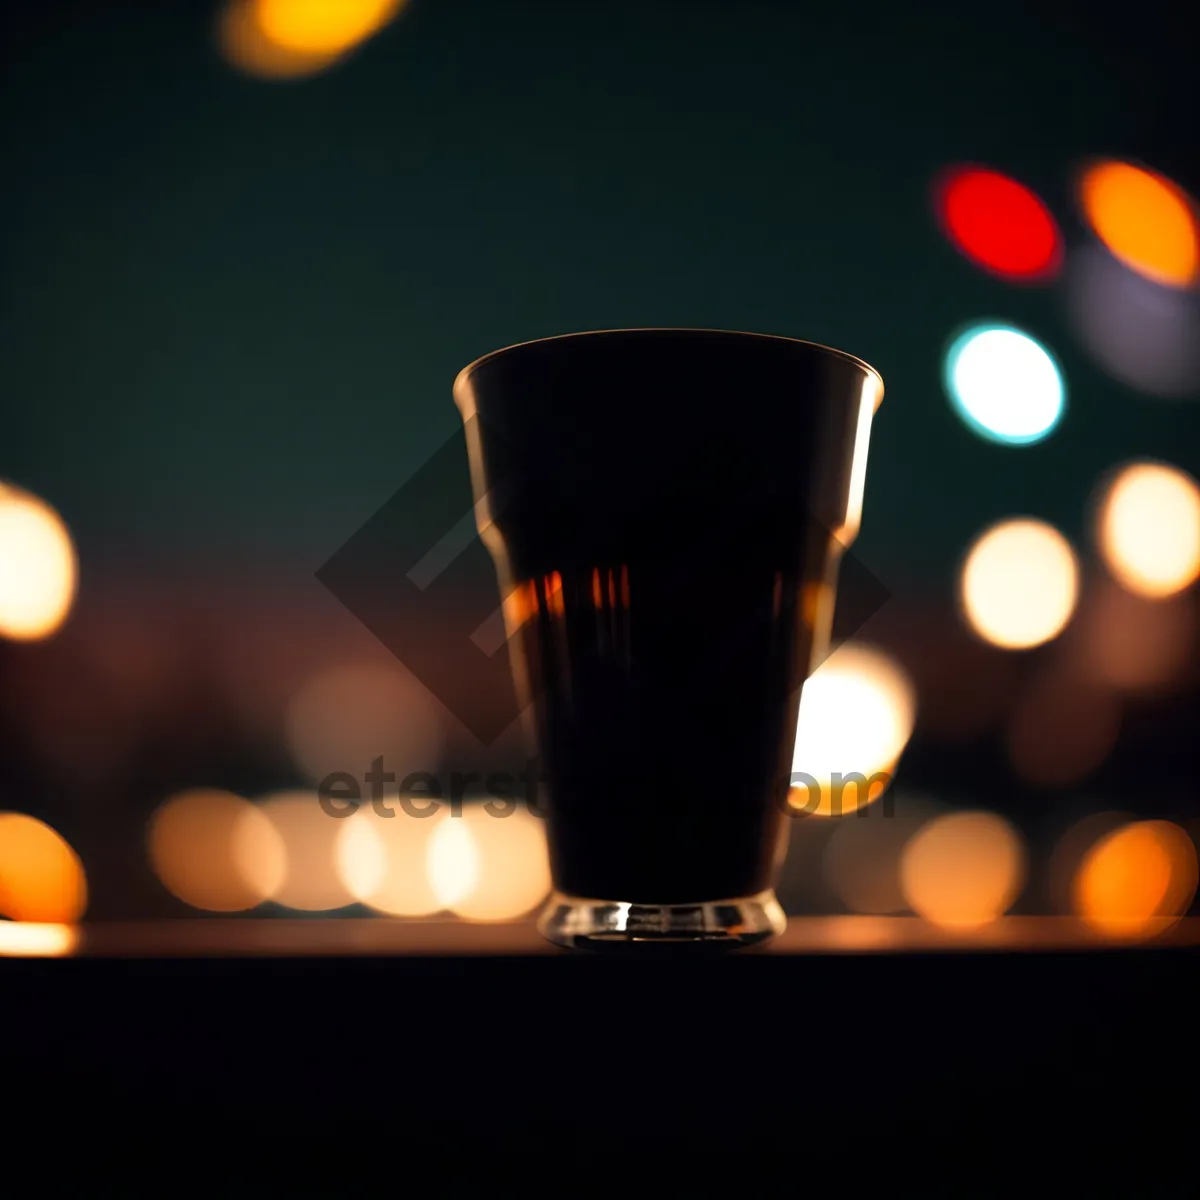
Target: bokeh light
column 999, row 224
column 1142, row 334
column 453, row 862
column 1019, row 584
column 1072, row 848
column 1148, row 529
column 856, row 715
column 1144, row 220
column 41, row 877
column 1137, row 879
column 1134, row 643
column 345, row 718
column 1062, row 728
column 964, row 870
column 384, row 861
column 1004, row 384
column 294, row 39
column 21, row 940
column 215, row 851
column 323, row 26
column 310, row 880
column 488, row 867
column 861, row 861
column 38, row 567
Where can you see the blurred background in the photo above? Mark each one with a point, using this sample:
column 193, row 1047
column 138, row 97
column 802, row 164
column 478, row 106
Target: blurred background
column 249, row 245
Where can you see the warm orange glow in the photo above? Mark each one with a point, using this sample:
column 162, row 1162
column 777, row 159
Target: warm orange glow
column 195, row 839
column 1145, row 220
column 310, row 880
column 963, row 871
column 553, row 586
column 816, row 600
column 1019, row 584
column 856, row 716
column 1137, row 879
column 383, row 861
column 518, row 606
column 19, row 940
column 322, row 26
column 38, row 568
column 490, row 868
column 41, row 877
column 1149, row 529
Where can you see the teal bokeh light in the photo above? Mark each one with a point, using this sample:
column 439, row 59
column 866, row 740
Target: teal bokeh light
column 1004, row 384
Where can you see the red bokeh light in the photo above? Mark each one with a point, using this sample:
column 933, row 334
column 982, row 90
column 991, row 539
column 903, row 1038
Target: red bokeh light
column 999, row 224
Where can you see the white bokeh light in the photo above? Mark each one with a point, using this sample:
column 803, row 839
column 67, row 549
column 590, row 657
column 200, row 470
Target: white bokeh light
column 1149, row 529
column 856, row 715
column 1019, row 584
column 1004, row 384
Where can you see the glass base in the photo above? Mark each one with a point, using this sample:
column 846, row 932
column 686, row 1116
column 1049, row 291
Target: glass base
column 611, row 925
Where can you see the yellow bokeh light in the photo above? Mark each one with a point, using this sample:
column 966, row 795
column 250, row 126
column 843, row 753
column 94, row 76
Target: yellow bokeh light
column 322, row 26
column 310, row 880
column 964, row 870
column 41, row 877
column 490, row 868
column 1019, row 584
column 1149, row 529
column 1144, row 220
column 1137, row 879
column 20, row 940
column 383, row 861
column 195, row 840
column 38, row 567
column 453, row 862
column 856, row 716
column 244, row 45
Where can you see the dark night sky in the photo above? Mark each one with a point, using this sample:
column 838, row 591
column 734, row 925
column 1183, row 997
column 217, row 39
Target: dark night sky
column 232, row 310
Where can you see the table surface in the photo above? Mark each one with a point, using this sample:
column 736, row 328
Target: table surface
column 370, row 937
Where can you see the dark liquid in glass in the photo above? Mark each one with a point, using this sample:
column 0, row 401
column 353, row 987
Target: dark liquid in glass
column 664, row 709
column 660, row 517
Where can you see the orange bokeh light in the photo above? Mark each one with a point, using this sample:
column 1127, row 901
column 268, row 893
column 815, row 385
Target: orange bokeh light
column 1137, row 879
column 1144, row 220
column 964, row 870
column 195, row 839
column 41, row 877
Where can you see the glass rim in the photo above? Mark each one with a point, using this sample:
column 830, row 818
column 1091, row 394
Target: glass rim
column 465, row 374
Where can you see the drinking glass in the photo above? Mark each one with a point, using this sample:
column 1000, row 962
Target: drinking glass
column 666, row 510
